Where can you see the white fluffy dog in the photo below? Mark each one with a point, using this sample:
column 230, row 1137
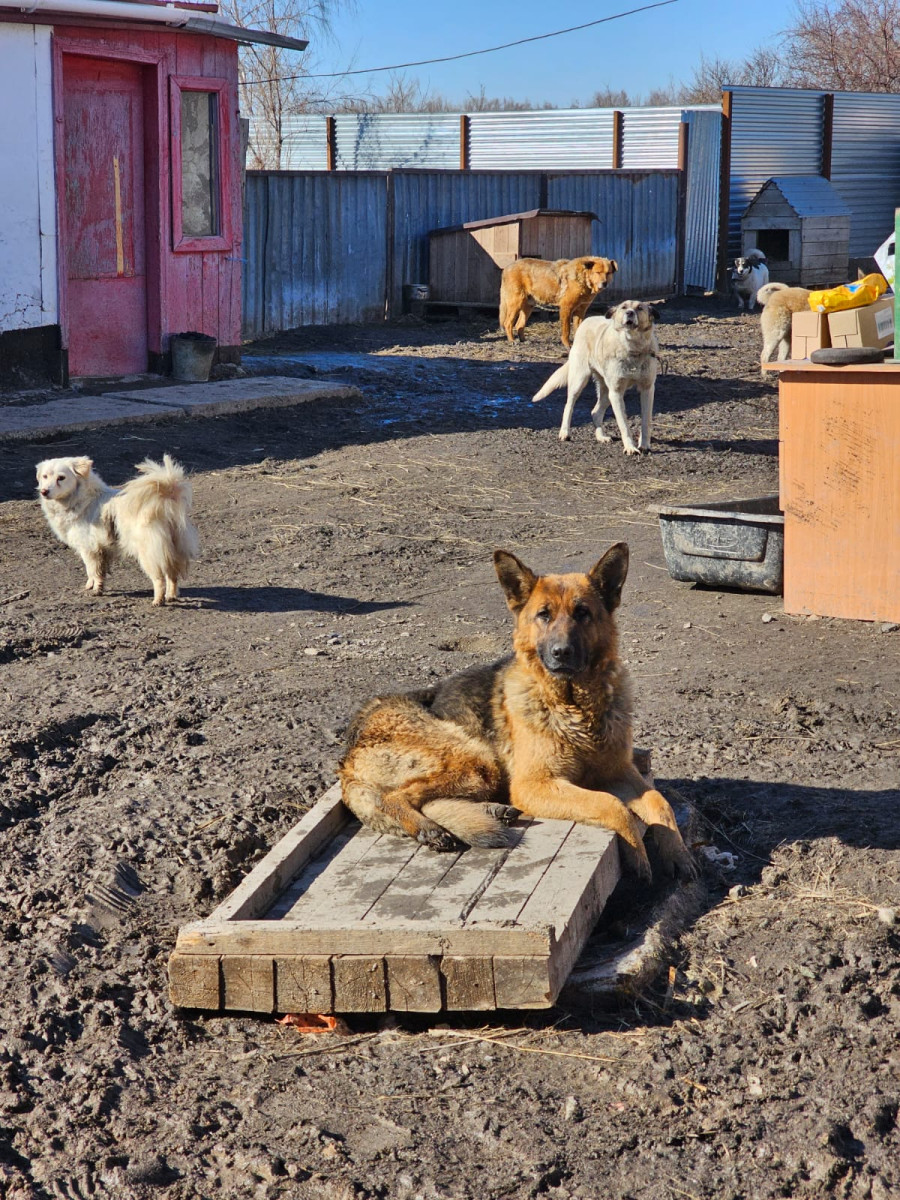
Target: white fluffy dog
column 748, row 275
column 148, row 518
column 620, row 351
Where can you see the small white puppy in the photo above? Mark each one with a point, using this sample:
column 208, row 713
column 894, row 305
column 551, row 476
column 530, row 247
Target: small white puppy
column 620, row 351
column 748, row 275
column 148, row 518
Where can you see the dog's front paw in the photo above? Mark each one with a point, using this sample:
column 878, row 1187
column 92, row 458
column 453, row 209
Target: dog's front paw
column 630, row 448
column 564, row 435
column 673, row 856
column 601, row 436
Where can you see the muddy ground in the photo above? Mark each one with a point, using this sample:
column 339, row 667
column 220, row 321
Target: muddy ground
column 151, row 756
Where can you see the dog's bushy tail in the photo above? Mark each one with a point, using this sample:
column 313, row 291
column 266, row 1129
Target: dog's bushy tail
column 768, row 290
column 470, row 821
column 153, row 518
column 557, row 380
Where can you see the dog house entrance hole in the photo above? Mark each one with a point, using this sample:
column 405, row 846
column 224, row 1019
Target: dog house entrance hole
column 774, row 243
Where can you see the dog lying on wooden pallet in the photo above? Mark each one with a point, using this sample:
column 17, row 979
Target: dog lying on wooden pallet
column 545, row 732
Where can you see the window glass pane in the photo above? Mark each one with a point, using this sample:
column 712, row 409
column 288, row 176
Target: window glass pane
column 199, row 177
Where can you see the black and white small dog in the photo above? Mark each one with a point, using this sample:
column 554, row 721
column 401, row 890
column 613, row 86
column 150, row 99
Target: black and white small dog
column 748, row 275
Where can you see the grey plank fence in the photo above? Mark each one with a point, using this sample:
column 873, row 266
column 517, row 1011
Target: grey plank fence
column 325, row 248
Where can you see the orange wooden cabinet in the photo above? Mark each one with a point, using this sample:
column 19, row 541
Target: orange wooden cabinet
column 839, row 430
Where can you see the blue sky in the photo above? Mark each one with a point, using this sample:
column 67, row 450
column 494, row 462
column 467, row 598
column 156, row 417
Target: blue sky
column 636, row 53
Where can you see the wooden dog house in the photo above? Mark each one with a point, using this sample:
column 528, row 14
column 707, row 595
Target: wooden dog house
column 465, row 261
column 802, row 226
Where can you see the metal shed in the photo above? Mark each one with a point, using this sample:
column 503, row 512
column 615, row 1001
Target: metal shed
column 802, row 226
column 465, row 261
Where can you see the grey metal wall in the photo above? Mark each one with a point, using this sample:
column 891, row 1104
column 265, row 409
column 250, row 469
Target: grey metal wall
column 315, row 249
column 865, row 165
column 336, row 247
column 424, row 200
column 703, row 182
column 637, row 227
column 377, row 142
column 779, row 131
column 544, row 141
column 774, row 131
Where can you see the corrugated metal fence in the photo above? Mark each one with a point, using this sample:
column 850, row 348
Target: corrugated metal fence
column 335, row 247
column 780, row 131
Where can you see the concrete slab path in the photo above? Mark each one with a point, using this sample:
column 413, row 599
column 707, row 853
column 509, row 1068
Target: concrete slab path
column 28, row 421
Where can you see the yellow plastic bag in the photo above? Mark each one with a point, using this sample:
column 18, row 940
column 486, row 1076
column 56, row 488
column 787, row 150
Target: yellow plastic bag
column 849, row 295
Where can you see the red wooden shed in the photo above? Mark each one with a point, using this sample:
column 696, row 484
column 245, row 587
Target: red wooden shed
column 145, row 173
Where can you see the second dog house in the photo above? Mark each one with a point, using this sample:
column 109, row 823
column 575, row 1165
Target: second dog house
column 465, row 261
column 802, row 226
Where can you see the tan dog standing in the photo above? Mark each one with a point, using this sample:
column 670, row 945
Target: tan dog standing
column 545, row 732
column 779, row 302
column 569, row 283
column 618, row 351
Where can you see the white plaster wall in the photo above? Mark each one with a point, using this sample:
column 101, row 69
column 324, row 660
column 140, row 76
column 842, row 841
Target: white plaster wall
column 28, row 242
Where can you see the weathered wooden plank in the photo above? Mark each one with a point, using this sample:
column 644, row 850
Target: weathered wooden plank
column 303, row 983
column 248, row 982
column 354, row 884
column 252, row 897
column 292, row 937
column 326, row 870
column 194, row 981
column 359, row 983
column 572, row 894
column 468, row 983
column 415, row 893
column 460, row 888
column 522, row 982
column 506, row 895
column 413, row 982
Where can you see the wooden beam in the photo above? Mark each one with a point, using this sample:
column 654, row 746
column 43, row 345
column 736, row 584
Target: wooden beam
column 330, row 144
column 464, row 127
column 724, row 192
column 681, row 209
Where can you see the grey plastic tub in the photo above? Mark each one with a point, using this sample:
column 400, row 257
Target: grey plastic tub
column 726, row 543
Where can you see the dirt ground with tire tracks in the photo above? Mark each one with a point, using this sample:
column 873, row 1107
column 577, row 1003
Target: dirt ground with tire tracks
column 150, row 757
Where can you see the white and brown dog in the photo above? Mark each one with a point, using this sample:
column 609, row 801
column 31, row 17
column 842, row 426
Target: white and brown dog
column 148, row 519
column 618, row 351
column 748, row 275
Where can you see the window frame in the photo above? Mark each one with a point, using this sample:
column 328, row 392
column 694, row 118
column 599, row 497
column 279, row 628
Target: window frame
column 223, row 240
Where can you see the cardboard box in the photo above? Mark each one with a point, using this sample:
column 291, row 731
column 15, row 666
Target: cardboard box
column 809, row 331
column 872, row 325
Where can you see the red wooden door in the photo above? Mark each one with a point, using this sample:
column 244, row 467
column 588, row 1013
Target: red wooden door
column 105, row 253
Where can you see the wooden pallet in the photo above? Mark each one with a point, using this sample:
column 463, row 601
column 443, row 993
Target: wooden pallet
column 337, row 918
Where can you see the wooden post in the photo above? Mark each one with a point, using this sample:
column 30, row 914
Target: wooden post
column 617, row 138
column 724, row 190
column 330, row 144
column 681, row 212
column 464, row 141
column 827, row 132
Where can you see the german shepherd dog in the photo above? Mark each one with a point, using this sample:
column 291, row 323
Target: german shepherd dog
column 545, row 732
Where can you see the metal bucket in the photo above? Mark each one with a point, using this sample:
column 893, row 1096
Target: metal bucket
column 414, row 297
column 192, row 356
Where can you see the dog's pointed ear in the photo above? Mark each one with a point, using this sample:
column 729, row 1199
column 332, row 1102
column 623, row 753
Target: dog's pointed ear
column 82, row 466
column 515, row 579
column 613, row 265
column 655, row 309
column 608, row 575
